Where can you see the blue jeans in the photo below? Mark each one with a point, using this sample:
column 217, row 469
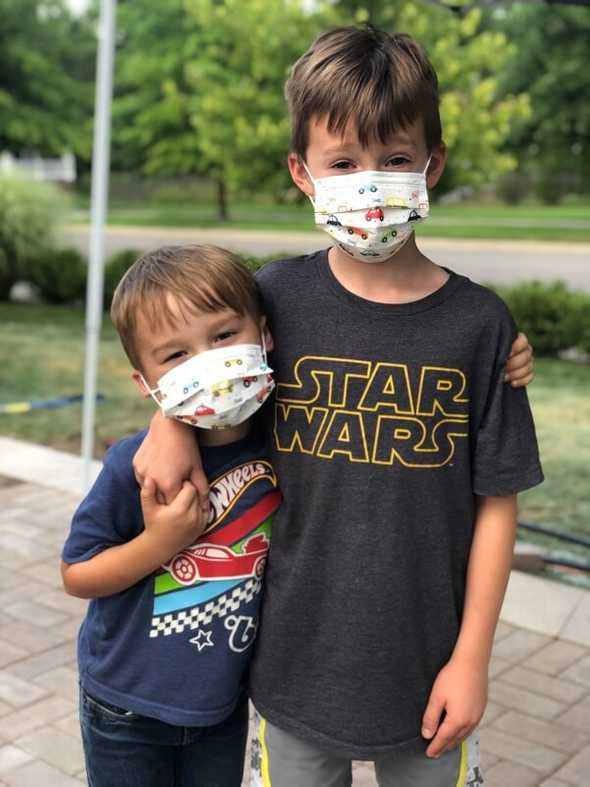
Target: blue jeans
column 124, row 749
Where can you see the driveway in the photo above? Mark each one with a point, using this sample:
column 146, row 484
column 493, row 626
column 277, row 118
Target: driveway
column 497, row 262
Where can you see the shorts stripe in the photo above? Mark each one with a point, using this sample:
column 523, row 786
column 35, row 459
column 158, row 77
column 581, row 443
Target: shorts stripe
column 265, row 764
column 463, row 766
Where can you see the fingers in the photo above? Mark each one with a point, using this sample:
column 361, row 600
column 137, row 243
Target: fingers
column 148, row 494
column 520, row 344
column 200, row 483
column 186, row 498
column 432, row 714
column 449, row 735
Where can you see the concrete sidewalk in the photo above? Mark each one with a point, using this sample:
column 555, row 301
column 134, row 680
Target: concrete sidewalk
column 536, row 730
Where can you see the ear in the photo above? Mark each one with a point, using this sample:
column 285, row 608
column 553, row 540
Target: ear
column 137, row 378
column 299, row 174
column 438, row 159
column 268, row 340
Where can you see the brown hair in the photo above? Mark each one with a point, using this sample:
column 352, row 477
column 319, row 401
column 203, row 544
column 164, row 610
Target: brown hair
column 206, row 278
column 381, row 81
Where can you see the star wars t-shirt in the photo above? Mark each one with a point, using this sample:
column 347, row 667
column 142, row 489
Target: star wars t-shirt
column 175, row 645
column 388, row 421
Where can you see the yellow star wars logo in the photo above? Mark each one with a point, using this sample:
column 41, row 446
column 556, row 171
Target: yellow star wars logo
column 369, row 412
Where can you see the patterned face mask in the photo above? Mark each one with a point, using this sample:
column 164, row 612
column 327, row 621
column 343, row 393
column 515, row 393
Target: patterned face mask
column 216, row 389
column 370, row 214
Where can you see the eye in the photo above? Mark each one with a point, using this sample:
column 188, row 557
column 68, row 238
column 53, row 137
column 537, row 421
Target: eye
column 175, row 356
column 224, row 336
column 399, row 161
column 342, row 164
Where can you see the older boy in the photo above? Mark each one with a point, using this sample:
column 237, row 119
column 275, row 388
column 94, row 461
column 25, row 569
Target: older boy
column 175, row 593
column 398, row 446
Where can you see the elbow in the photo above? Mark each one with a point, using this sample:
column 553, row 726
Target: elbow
column 73, row 581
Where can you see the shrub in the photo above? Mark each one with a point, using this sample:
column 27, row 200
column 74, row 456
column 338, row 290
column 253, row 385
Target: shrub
column 115, row 266
column 549, row 314
column 29, row 214
column 59, row 274
column 513, row 187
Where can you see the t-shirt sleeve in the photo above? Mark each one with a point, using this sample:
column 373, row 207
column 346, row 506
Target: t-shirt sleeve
column 109, row 515
column 506, row 455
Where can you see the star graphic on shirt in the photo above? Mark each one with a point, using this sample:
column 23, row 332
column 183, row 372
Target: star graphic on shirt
column 202, row 640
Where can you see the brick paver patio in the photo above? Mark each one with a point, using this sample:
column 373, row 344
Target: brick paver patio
column 536, row 730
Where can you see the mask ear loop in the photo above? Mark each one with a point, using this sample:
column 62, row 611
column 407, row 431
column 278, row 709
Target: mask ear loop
column 425, row 170
column 153, row 392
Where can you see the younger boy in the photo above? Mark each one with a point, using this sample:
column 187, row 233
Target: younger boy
column 175, row 591
column 397, row 444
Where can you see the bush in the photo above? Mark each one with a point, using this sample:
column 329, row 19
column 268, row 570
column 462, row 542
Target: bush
column 513, row 187
column 552, row 317
column 115, row 266
column 29, row 214
column 60, row 275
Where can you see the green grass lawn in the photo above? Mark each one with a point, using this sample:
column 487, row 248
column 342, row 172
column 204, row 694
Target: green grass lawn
column 42, row 356
column 522, row 222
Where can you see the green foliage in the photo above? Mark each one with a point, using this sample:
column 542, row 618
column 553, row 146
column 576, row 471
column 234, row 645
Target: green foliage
column 115, row 266
column 513, row 187
column 200, row 89
column 553, row 318
column 60, row 275
column 550, row 63
column 46, row 70
column 29, row 215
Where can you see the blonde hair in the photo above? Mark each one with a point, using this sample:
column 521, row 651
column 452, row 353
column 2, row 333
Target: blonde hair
column 206, row 278
column 380, row 81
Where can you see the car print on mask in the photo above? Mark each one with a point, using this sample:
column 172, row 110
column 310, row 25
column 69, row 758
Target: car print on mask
column 374, row 213
column 217, row 561
column 333, row 221
column 233, row 362
column 247, row 381
column 369, row 187
column 220, row 388
column 357, row 231
column 414, row 216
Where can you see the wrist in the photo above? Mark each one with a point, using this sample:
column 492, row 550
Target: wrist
column 157, row 548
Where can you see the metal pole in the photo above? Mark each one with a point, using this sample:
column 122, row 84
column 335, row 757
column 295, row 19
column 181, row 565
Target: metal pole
column 100, row 184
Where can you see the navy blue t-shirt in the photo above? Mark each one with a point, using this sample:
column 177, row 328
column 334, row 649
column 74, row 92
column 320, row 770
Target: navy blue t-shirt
column 175, row 645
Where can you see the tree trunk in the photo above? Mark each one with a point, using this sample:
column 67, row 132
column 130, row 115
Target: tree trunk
column 222, row 211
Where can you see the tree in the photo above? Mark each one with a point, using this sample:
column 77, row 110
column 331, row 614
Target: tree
column 200, row 89
column 550, row 63
column 46, row 65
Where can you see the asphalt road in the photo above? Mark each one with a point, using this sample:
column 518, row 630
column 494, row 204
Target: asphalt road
column 498, row 262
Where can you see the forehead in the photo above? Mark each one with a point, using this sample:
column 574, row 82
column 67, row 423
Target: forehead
column 323, row 141
column 170, row 316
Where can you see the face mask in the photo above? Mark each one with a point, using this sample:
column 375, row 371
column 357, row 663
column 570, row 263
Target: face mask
column 216, row 389
column 370, row 214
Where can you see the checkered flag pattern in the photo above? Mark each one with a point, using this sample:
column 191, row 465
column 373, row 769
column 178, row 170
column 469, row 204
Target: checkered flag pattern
column 201, row 616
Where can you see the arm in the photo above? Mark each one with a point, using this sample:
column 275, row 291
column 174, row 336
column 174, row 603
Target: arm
column 168, row 529
column 460, row 688
column 519, row 367
column 170, row 455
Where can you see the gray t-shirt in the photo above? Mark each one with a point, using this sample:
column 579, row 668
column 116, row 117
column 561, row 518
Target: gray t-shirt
column 387, row 420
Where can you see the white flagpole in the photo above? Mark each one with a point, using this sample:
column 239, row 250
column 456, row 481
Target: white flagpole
column 100, row 187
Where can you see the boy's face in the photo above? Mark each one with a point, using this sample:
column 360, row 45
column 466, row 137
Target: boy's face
column 330, row 153
column 190, row 333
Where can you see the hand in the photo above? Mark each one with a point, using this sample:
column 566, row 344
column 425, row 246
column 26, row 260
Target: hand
column 169, row 455
column 172, row 527
column 519, row 367
column 460, row 690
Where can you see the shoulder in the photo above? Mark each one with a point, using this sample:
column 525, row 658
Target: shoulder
column 118, row 461
column 483, row 304
column 277, row 275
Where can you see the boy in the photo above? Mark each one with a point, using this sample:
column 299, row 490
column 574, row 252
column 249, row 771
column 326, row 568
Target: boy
column 175, row 592
column 398, row 447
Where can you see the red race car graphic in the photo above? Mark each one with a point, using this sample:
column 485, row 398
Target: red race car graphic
column 247, row 381
column 374, row 213
column 217, row 561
